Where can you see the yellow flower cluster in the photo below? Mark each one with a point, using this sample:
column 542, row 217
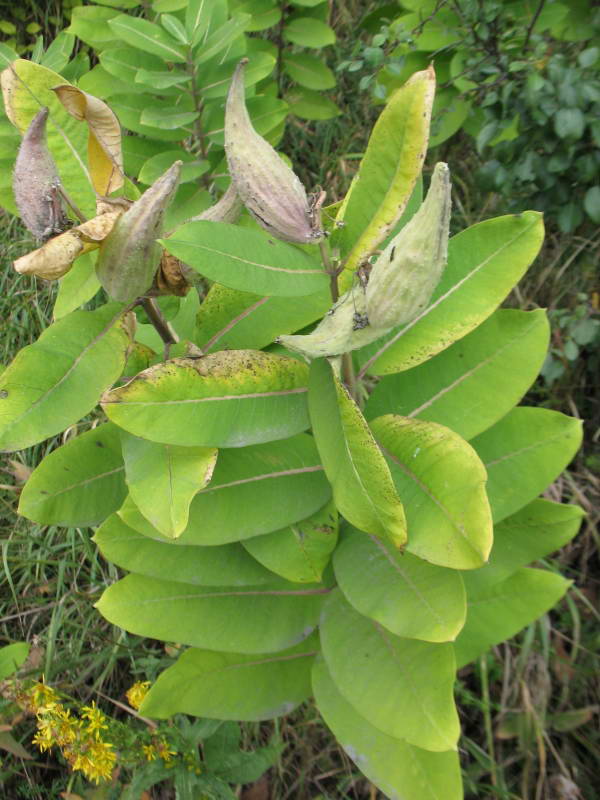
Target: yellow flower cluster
column 79, row 738
column 137, row 692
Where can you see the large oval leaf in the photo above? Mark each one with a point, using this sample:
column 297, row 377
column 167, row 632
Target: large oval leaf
column 401, row 770
column 259, row 619
column 401, row 686
column 163, row 479
column 275, row 484
column 442, row 484
column 408, row 596
column 227, row 399
column 497, row 612
column 246, row 260
column 228, row 565
column 78, row 484
column 524, row 453
column 362, row 486
column 532, row 533
column 476, row 381
column 484, row 263
column 147, row 37
column 233, row 685
column 56, row 381
column 301, row 551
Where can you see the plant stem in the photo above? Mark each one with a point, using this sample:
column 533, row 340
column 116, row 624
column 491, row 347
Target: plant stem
column 198, row 106
column 78, row 213
column 487, row 719
column 162, row 327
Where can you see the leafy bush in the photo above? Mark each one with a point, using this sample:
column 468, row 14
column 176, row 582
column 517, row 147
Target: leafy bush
column 357, row 527
column 522, row 80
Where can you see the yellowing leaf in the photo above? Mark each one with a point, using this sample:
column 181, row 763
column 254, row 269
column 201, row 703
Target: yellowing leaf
column 104, row 141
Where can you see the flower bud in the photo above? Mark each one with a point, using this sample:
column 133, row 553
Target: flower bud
column 403, row 279
column 36, row 182
column 269, row 189
column 130, row 254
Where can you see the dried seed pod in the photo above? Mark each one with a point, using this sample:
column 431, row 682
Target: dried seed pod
column 130, row 254
column 403, row 279
column 227, row 209
column 269, row 189
column 36, row 183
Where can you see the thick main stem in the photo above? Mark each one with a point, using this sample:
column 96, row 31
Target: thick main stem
column 162, row 327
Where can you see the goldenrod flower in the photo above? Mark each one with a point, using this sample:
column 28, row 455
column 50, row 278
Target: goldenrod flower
column 137, row 692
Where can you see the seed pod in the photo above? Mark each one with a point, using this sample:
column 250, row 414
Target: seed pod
column 406, row 273
column 130, row 254
column 36, row 182
column 269, row 189
column 227, row 209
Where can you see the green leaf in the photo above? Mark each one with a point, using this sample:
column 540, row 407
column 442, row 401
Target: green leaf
column 220, row 38
column 362, row 486
column 263, row 13
column 308, row 32
column 401, row 686
column 12, row 656
column 169, row 119
column 309, row 104
column 78, row 286
column 591, row 203
column 78, row 484
column 245, row 259
column 164, row 478
column 229, row 319
column 30, row 88
column 532, row 533
column 308, row 71
column 408, row 596
column 569, row 123
column 59, row 52
column 266, row 113
column 248, row 619
column 450, row 110
column 227, row 399
column 301, row 551
column 250, row 478
column 90, row 24
column 173, row 26
column 57, row 380
column 442, row 483
column 129, row 109
column 224, row 565
column 484, row 263
column 160, row 80
column 388, row 172
column 147, row 37
column 214, row 80
column 198, row 15
column 499, row 611
column 157, row 165
column 524, row 453
column 124, row 63
column 233, row 685
column 474, row 382
column 398, row 768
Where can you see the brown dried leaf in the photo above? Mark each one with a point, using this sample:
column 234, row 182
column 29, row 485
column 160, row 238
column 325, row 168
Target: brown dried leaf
column 54, row 259
column 104, row 143
column 170, row 278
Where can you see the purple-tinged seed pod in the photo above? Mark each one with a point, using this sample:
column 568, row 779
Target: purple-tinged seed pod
column 269, row 189
column 36, row 183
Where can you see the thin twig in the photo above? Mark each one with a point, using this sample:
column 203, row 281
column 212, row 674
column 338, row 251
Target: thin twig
column 162, row 327
column 534, row 19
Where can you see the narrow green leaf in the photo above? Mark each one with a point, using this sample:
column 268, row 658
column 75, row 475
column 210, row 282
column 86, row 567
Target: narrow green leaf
column 474, row 382
column 401, row 686
column 161, row 80
column 532, row 533
column 148, row 37
column 524, row 453
column 232, row 685
column 169, row 119
column 308, row 32
column 174, row 27
column 124, row 62
column 401, row 770
column 308, row 71
column 78, row 484
column 388, row 171
column 155, row 166
column 484, row 263
column 408, row 596
column 499, row 611
column 228, row 399
column 129, row 109
column 310, row 104
column 442, row 483
column 248, row 619
column 164, row 478
column 56, row 381
column 301, row 551
column 198, row 14
column 245, row 259
column 362, row 486
column 219, row 39
column 224, row 565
